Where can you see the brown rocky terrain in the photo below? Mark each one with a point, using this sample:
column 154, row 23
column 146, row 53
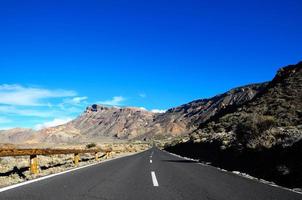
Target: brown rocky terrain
column 186, row 118
column 122, row 123
column 97, row 123
column 15, row 135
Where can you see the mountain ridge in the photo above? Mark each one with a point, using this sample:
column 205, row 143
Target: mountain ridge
column 195, row 118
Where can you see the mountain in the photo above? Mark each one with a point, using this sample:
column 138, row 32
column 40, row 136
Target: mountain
column 186, row 118
column 275, row 103
column 15, row 135
column 122, row 123
column 261, row 137
column 98, row 122
column 273, row 116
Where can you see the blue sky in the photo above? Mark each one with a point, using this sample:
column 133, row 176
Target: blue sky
column 57, row 57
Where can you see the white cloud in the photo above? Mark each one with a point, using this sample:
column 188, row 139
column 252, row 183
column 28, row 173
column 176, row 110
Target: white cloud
column 75, row 100
column 54, row 122
column 158, row 111
column 143, row 108
column 29, row 96
column 12, row 110
column 24, row 112
column 115, row 101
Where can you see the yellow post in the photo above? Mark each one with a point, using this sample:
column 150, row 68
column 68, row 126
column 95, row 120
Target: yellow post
column 76, row 159
column 107, row 155
column 33, row 159
column 96, row 155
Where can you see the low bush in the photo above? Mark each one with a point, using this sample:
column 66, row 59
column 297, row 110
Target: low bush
column 90, row 145
column 253, row 126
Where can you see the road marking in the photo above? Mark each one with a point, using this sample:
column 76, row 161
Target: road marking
column 154, row 180
column 151, row 154
column 150, row 161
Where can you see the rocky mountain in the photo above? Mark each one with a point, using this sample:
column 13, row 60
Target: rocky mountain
column 15, row 135
column 66, row 133
column 261, row 137
column 134, row 123
column 187, row 117
column 217, row 117
column 98, row 122
column 273, row 116
column 122, row 123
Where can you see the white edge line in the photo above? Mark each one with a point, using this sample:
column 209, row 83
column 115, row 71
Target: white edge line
column 250, row 177
column 60, row 173
column 154, row 180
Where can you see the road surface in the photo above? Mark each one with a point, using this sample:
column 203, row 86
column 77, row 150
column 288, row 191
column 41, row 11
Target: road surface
column 152, row 174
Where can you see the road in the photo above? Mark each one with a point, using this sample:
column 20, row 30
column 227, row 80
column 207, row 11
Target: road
column 152, row 174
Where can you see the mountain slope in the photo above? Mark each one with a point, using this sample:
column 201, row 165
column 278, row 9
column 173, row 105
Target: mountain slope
column 98, row 122
column 272, row 116
column 15, row 135
column 262, row 137
column 187, row 117
column 123, row 123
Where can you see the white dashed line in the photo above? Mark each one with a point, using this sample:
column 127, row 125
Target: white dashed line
column 150, row 161
column 154, row 180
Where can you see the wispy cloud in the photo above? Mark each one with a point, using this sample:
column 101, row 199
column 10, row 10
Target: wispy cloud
column 158, row 111
column 24, row 112
column 23, row 106
column 115, row 101
column 75, row 100
column 29, row 96
column 52, row 123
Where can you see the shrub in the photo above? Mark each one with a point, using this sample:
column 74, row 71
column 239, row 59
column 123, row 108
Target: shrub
column 90, row 145
column 253, row 126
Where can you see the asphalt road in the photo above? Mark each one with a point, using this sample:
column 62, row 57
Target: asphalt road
column 136, row 177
